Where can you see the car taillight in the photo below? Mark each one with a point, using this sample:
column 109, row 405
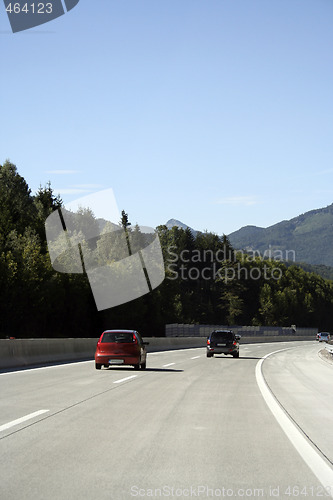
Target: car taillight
column 135, row 340
column 235, row 343
column 208, row 342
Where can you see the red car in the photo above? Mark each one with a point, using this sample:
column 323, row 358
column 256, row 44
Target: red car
column 121, row 347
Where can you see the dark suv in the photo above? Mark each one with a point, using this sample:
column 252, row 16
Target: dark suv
column 223, row 342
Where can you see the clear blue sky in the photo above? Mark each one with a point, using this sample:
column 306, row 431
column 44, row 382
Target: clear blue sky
column 216, row 112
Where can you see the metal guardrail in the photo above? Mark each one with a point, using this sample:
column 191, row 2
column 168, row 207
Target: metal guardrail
column 329, row 348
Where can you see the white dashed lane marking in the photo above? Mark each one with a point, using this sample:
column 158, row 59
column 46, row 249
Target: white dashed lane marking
column 124, row 379
column 22, row 419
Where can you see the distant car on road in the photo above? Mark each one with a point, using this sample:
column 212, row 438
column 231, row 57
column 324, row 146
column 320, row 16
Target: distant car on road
column 223, row 342
column 121, row 347
column 323, row 337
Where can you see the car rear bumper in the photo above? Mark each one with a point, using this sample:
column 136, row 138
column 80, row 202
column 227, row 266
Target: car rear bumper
column 222, row 350
column 117, row 360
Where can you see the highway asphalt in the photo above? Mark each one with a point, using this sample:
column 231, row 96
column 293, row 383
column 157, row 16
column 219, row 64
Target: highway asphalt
column 187, row 427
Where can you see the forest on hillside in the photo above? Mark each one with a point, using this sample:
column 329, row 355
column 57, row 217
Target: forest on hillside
column 309, row 235
column 206, row 280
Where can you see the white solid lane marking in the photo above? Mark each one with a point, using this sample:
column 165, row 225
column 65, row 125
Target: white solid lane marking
column 169, row 364
column 48, row 367
column 196, row 357
column 316, row 463
column 22, row 419
column 123, row 379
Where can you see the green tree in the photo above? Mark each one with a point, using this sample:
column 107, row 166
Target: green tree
column 267, row 305
column 45, row 202
column 124, row 222
column 17, row 209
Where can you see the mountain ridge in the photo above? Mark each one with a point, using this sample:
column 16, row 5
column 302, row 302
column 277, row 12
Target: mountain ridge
column 309, row 235
column 175, row 222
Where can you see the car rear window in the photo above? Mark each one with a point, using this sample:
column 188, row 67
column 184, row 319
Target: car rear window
column 222, row 336
column 123, row 337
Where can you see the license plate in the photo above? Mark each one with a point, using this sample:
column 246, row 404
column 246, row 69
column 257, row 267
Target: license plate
column 115, row 361
column 221, row 345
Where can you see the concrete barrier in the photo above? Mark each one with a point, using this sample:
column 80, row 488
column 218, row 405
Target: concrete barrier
column 329, row 348
column 27, row 352
column 30, row 352
column 168, row 343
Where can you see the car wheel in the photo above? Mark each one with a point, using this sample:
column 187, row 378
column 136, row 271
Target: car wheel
column 236, row 355
column 136, row 367
column 143, row 366
column 98, row 366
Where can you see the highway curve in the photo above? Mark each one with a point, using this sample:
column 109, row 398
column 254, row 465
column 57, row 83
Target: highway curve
column 187, row 427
